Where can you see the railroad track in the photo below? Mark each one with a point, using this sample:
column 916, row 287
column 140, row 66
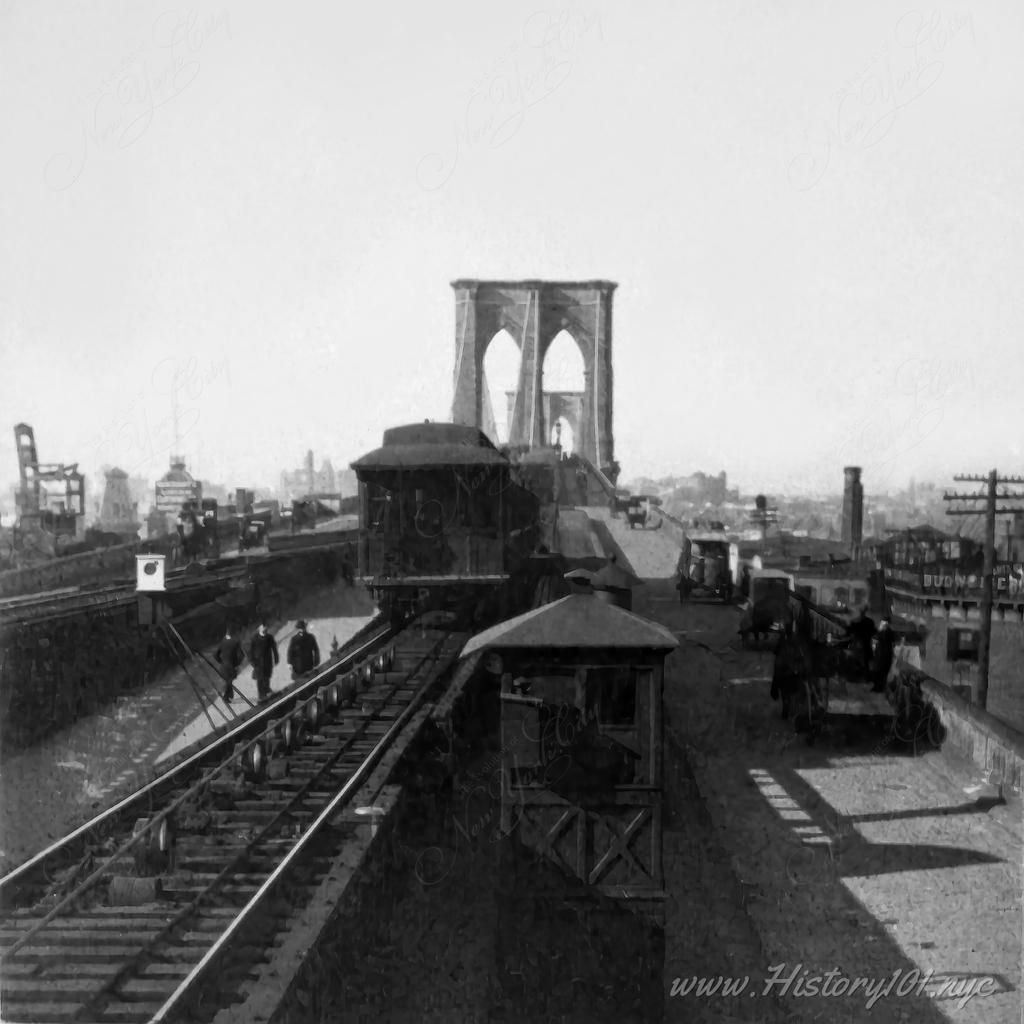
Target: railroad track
column 163, row 917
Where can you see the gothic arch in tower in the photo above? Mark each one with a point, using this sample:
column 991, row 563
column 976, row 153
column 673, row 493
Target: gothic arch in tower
column 534, row 313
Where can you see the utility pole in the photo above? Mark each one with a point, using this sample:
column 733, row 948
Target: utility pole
column 990, row 496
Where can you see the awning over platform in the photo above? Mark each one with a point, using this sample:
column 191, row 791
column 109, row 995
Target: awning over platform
column 579, row 620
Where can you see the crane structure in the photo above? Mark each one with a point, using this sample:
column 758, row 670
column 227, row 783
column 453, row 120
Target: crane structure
column 46, row 513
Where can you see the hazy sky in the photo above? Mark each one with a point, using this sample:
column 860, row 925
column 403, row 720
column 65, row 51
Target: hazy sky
column 813, row 213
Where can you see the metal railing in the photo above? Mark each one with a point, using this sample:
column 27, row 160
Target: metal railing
column 326, row 675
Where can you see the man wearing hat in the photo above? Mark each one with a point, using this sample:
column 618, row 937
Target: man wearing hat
column 229, row 657
column 303, row 651
column 263, row 655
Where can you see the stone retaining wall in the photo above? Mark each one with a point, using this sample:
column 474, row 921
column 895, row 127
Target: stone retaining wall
column 89, row 567
column 976, row 735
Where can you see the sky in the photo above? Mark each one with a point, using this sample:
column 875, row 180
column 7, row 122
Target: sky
column 249, row 216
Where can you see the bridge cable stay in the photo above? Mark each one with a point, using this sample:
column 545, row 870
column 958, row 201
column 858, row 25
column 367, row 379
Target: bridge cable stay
column 194, row 654
column 199, row 654
column 196, row 690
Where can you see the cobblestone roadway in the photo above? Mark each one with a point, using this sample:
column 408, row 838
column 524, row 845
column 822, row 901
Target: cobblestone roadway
column 858, row 858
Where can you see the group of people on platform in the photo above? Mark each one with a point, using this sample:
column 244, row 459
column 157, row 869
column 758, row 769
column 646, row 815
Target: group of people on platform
column 799, row 659
column 877, row 647
column 303, row 656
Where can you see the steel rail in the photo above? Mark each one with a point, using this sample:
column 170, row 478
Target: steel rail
column 157, row 820
column 343, row 796
column 325, row 675
column 195, row 905
column 167, row 777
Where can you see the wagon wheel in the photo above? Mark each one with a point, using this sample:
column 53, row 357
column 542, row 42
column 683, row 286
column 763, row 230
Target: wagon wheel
column 815, row 709
column 933, row 727
column 905, row 724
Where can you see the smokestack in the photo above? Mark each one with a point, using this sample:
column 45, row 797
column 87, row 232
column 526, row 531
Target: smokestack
column 853, row 507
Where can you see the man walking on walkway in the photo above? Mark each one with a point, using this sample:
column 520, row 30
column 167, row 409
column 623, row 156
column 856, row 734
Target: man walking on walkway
column 263, row 655
column 229, row 657
column 881, row 660
column 862, row 629
column 303, row 651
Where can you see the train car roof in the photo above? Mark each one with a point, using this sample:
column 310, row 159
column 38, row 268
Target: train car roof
column 432, row 444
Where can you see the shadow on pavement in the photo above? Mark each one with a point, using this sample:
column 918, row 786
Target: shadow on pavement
column 795, row 909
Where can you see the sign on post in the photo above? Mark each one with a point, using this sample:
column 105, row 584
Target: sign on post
column 149, row 573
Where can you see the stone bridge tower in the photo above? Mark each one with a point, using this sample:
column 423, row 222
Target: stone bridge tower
column 533, row 313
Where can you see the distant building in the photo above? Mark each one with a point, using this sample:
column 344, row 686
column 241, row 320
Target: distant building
column 142, row 493
column 1009, row 535
column 934, row 582
column 853, row 508
column 176, row 487
column 307, row 480
column 703, row 488
column 118, row 513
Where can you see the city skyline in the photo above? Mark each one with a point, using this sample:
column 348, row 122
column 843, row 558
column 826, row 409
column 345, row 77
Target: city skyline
column 94, row 486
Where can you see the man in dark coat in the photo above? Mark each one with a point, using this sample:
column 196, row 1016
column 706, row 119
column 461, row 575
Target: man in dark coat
column 229, row 657
column 303, row 651
column 263, row 655
column 882, row 658
column 792, row 667
column 862, row 629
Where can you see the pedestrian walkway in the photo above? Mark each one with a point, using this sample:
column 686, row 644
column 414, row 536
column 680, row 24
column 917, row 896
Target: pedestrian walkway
column 74, row 774
column 864, row 860
column 218, row 712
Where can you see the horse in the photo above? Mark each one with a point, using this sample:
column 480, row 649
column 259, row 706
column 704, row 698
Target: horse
column 763, row 617
column 794, row 666
column 802, row 662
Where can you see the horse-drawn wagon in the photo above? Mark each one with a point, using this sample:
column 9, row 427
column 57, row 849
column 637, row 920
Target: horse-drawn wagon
column 826, row 684
column 769, row 605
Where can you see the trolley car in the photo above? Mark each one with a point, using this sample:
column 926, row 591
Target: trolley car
column 440, row 513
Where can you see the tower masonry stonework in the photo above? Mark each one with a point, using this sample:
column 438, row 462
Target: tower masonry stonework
column 534, row 313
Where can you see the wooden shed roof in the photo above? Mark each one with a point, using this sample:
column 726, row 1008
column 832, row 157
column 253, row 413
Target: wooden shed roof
column 579, row 620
